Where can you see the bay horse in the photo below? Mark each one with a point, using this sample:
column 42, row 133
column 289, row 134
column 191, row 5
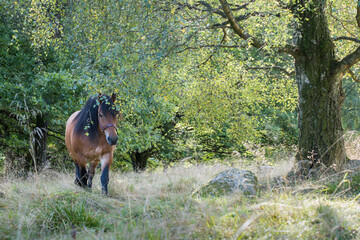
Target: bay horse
column 90, row 137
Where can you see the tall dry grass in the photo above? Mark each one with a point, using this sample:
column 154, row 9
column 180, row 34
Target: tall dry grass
column 352, row 145
column 157, row 205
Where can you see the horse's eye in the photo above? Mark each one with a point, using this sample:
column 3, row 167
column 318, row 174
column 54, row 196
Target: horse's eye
column 100, row 115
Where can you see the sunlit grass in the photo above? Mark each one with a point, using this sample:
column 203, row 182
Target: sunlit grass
column 158, row 205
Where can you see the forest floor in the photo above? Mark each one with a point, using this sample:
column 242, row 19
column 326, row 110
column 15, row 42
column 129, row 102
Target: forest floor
column 158, row 205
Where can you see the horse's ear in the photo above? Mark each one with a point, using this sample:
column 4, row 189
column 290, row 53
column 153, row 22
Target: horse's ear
column 100, row 98
column 113, row 97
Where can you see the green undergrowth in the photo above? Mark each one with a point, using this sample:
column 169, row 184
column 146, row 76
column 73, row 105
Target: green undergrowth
column 158, row 205
column 346, row 186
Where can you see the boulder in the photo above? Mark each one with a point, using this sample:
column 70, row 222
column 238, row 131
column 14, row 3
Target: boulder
column 227, row 182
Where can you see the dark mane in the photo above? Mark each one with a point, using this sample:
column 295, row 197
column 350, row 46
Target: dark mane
column 87, row 120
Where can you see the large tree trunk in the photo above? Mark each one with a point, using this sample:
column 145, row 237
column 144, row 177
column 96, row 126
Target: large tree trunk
column 319, row 78
column 320, row 90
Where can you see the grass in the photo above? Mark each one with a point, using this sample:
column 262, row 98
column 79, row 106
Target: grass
column 158, row 205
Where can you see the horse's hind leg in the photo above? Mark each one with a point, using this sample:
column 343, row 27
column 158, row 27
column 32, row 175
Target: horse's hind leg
column 81, row 175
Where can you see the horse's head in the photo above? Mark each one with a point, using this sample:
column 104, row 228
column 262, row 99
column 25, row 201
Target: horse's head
column 107, row 116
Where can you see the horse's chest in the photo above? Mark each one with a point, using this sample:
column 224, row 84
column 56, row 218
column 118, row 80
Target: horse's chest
column 100, row 150
column 97, row 152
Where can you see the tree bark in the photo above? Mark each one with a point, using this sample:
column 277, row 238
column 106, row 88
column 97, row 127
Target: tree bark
column 320, row 89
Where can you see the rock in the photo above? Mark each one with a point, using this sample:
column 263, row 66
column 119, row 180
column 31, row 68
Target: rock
column 227, row 182
column 314, row 173
column 303, row 167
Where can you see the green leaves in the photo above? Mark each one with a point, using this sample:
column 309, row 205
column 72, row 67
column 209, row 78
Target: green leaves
column 184, row 80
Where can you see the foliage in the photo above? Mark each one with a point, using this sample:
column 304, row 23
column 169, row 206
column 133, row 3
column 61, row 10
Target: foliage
column 187, row 85
column 36, row 96
column 262, row 29
column 229, row 104
column 351, row 108
column 17, row 76
column 348, row 185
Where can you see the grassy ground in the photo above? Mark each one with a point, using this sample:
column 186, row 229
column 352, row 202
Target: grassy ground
column 157, row 206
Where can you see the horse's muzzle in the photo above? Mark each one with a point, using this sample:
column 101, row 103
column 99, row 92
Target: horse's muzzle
column 112, row 140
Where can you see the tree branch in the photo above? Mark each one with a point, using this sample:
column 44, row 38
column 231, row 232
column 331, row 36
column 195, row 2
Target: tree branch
column 223, row 40
column 347, row 38
column 233, row 23
column 54, row 131
column 254, row 42
column 353, row 76
column 210, row 46
column 281, row 69
column 197, row 8
column 56, row 134
column 352, row 58
column 245, row 17
column 210, row 9
column 347, row 62
column 57, row 137
column 282, row 4
column 358, row 13
column 236, row 27
column 342, row 21
column 8, row 114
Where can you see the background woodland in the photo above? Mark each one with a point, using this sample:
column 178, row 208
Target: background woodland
column 190, row 85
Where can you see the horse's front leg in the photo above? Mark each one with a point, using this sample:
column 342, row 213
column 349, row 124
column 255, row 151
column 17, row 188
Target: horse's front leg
column 81, row 175
column 91, row 173
column 106, row 161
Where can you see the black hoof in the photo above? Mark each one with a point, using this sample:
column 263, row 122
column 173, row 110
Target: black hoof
column 80, row 183
column 77, row 182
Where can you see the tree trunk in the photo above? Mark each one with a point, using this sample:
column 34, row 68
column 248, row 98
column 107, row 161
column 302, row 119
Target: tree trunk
column 139, row 159
column 40, row 142
column 320, row 90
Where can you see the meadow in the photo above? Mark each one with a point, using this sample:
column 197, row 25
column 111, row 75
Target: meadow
column 158, row 205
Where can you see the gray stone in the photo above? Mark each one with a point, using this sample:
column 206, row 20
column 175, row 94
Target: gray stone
column 314, row 173
column 227, row 182
column 303, row 167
